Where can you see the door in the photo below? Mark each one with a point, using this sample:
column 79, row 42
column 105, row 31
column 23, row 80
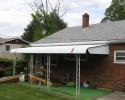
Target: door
column 39, row 63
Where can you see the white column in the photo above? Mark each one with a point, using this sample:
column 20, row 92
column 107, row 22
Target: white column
column 78, row 74
column 31, row 68
column 14, row 64
column 48, row 69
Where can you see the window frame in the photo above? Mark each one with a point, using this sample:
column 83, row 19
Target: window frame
column 52, row 64
column 38, row 62
column 119, row 61
column 75, row 57
column 7, row 47
column 70, row 58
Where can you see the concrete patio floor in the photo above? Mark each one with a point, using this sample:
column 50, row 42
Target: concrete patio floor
column 113, row 96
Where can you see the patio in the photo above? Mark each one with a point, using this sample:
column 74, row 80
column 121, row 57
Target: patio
column 85, row 93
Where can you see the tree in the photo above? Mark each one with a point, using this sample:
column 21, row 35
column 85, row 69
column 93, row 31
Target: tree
column 115, row 12
column 25, row 55
column 51, row 22
column 31, row 28
column 45, row 17
column 49, row 6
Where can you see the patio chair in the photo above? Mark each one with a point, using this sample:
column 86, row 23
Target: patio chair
column 68, row 77
column 65, row 78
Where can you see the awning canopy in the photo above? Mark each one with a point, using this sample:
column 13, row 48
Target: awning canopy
column 78, row 49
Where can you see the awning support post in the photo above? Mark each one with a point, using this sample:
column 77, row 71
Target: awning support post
column 48, row 69
column 31, row 68
column 77, row 74
column 14, row 64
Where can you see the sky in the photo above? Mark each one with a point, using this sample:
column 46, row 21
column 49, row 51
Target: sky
column 15, row 15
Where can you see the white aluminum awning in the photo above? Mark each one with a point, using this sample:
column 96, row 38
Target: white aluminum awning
column 78, row 49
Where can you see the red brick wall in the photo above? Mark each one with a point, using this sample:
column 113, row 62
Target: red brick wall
column 99, row 70
column 118, row 70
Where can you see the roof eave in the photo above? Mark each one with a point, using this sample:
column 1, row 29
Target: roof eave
column 14, row 39
column 80, row 43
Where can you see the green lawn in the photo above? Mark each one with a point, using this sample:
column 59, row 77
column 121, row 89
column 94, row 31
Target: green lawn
column 85, row 93
column 25, row 92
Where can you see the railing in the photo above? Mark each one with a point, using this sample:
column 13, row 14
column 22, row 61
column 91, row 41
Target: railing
column 9, row 68
column 27, row 71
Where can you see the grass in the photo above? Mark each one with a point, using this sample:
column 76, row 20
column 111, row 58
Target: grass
column 25, row 92
column 85, row 93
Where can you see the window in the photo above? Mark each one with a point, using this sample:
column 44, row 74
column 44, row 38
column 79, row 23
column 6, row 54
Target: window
column 7, row 47
column 119, row 56
column 83, row 57
column 53, row 59
column 69, row 56
column 38, row 60
column 39, row 64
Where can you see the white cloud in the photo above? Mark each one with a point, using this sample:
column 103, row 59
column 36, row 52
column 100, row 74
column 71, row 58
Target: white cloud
column 95, row 8
column 15, row 14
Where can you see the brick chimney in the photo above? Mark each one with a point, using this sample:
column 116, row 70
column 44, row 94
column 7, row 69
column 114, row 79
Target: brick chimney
column 85, row 20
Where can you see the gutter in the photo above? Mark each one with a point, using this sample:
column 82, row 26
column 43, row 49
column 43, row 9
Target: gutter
column 80, row 43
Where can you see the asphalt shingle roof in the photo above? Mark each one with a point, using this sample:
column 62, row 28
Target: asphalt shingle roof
column 2, row 40
column 96, row 32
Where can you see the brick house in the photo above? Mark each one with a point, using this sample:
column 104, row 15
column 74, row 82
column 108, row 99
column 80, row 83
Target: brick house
column 101, row 48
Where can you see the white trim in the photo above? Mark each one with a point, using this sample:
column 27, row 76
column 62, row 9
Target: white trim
column 23, row 40
column 7, row 40
column 7, row 47
column 118, row 61
column 99, row 50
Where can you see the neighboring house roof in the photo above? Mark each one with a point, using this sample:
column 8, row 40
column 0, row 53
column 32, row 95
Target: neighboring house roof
column 4, row 40
column 96, row 32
